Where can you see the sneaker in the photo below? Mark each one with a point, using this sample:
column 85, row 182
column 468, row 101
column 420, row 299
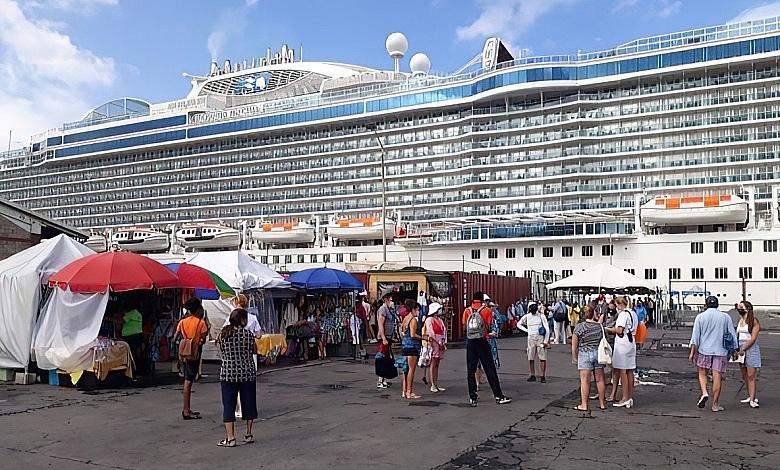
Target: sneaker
column 702, row 401
column 382, row 385
column 388, row 383
column 434, row 389
column 746, row 400
column 754, row 404
column 543, row 380
column 238, row 415
column 531, row 378
column 472, row 402
column 503, row 401
column 442, row 389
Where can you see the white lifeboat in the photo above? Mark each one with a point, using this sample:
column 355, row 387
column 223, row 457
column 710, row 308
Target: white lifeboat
column 361, row 229
column 404, row 238
column 97, row 242
column 283, row 233
column 140, row 240
column 208, row 236
column 694, row 210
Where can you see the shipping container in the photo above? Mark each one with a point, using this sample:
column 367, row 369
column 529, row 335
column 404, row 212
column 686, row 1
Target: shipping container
column 504, row 290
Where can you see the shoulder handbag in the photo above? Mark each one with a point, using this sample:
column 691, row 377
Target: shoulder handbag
column 605, row 350
column 189, row 349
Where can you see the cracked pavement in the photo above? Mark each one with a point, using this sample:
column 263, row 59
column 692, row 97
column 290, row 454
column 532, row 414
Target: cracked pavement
column 331, row 415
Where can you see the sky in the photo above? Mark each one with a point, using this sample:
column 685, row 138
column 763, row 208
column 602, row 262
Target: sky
column 61, row 58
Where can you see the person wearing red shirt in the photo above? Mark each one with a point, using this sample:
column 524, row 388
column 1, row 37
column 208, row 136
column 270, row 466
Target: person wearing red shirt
column 478, row 352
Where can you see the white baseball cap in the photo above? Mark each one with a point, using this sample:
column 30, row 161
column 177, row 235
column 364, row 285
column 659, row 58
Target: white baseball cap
column 434, row 308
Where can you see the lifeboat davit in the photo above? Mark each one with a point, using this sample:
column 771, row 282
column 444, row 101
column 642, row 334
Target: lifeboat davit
column 140, row 240
column 361, row 229
column 694, row 210
column 283, row 233
column 208, row 236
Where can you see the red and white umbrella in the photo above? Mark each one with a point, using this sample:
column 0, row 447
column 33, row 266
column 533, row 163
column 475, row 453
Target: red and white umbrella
column 116, row 271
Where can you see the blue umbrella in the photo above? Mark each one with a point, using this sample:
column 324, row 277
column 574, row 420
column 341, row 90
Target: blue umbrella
column 325, row 278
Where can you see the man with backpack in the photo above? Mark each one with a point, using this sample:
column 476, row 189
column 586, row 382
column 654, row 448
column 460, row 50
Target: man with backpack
column 477, row 320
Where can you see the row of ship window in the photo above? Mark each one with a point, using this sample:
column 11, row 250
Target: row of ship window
column 387, row 103
column 288, row 259
column 513, row 184
column 734, row 77
column 675, row 274
column 744, row 246
column 648, row 144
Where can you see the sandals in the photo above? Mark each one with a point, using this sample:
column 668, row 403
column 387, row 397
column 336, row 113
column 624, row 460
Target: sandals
column 227, row 443
column 192, row 415
column 413, row 396
column 577, row 408
column 249, row 439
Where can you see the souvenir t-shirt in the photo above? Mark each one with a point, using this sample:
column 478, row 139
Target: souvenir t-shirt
column 133, row 323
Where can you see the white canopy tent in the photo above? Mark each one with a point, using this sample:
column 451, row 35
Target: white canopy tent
column 602, row 277
column 21, row 278
column 239, row 270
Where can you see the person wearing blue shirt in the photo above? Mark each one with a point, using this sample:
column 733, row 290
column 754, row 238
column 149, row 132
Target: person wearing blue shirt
column 640, row 310
column 711, row 329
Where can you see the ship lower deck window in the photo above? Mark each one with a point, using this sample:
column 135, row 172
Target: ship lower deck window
column 339, row 257
column 587, row 250
column 353, row 257
column 721, row 247
column 313, row 258
column 476, row 254
column 770, row 272
column 547, row 252
column 566, row 273
column 697, row 273
column 287, row 259
column 275, row 259
column 493, row 253
column 746, row 272
column 511, row 253
column 697, row 248
column 674, row 273
column 301, row 258
column 511, row 273
column 493, row 272
column 548, row 275
column 567, row 251
column 326, row 258
column 745, row 246
column 607, row 250
column 651, row 273
column 631, row 271
column 770, row 246
column 528, row 252
column 721, row 273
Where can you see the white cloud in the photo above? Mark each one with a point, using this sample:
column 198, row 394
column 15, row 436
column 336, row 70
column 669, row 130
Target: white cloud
column 45, row 76
column 669, row 8
column 624, row 5
column 764, row 11
column 231, row 23
column 82, row 6
column 508, row 19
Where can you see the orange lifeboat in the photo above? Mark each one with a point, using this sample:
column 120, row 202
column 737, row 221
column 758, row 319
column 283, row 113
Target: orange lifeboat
column 694, row 210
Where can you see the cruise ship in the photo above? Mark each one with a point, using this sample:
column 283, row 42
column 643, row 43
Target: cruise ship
column 660, row 156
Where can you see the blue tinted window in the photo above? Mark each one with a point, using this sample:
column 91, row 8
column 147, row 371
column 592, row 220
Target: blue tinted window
column 126, row 129
column 121, row 143
column 51, row 141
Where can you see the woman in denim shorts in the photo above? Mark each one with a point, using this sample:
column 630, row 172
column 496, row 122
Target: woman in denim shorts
column 584, row 353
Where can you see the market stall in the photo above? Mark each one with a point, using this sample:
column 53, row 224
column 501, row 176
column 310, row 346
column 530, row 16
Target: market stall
column 327, row 308
column 24, row 279
column 101, row 313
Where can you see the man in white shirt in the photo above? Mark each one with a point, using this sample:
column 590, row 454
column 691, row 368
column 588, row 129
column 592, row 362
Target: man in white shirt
column 538, row 340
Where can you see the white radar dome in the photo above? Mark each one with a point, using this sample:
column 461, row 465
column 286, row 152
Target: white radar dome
column 396, row 44
column 420, row 64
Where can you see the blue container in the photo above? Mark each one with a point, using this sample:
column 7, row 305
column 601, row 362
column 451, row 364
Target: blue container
column 54, row 379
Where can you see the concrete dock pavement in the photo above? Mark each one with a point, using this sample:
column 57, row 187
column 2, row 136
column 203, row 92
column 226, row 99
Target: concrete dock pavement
column 332, row 415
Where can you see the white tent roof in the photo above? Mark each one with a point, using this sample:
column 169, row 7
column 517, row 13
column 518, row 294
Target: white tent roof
column 239, row 270
column 21, row 277
column 602, row 276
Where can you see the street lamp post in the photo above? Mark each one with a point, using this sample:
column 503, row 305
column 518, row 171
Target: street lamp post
column 384, row 199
